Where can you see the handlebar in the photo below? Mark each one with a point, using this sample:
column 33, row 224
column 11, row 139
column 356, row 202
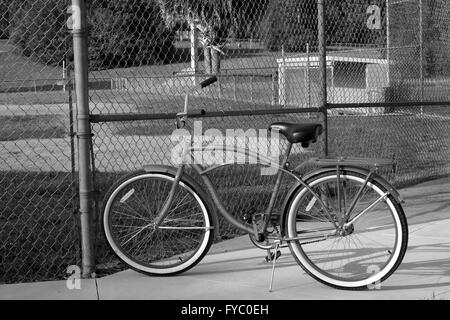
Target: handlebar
column 208, row 82
column 182, row 116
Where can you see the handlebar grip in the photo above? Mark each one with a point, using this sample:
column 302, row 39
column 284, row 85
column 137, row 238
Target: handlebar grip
column 208, row 82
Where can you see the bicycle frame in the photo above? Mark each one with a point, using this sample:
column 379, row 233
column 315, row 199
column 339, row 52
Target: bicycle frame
column 189, row 154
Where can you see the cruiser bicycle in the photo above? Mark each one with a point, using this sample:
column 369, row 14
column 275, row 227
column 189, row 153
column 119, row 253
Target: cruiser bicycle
column 343, row 222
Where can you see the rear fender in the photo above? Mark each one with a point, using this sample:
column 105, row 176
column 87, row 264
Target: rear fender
column 294, row 189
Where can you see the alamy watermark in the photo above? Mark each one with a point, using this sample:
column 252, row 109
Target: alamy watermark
column 73, row 282
column 374, row 269
column 212, row 147
column 74, row 20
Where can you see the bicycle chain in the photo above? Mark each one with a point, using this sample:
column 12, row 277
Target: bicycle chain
column 309, row 242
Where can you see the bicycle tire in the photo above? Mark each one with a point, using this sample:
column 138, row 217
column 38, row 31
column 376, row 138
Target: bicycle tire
column 306, row 216
column 175, row 246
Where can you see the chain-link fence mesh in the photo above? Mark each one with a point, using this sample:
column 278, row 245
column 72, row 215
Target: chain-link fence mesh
column 400, row 56
column 265, row 54
column 39, row 237
column 145, row 54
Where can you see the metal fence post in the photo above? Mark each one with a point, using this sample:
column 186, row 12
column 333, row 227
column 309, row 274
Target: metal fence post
column 388, row 44
column 323, row 69
column 274, row 87
column 80, row 48
column 308, row 74
column 234, row 88
column 421, row 56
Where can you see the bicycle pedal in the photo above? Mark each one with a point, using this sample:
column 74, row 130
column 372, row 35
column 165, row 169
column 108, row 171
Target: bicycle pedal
column 269, row 258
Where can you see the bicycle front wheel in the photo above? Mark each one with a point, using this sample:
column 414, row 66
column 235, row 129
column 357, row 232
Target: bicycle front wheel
column 347, row 251
column 175, row 245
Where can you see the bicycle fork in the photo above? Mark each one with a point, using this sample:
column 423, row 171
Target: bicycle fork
column 168, row 202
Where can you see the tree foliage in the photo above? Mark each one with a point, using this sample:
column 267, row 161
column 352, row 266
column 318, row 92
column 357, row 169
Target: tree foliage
column 406, row 41
column 214, row 19
column 248, row 16
column 217, row 20
column 436, row 38
column 128, row 33
column 37, row 29
column 137, row 32
column 121, row 33
column 292, row 24
column 4, row 19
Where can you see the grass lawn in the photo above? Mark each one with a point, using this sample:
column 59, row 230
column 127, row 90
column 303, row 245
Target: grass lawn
column 15, row 67
column 33, row 98
column 38, row 228
column 32, row 127
column 419, row 144
column 39, row 225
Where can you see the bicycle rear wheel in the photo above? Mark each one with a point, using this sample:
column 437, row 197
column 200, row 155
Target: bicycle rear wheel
column 359, row 256
column 177, row 244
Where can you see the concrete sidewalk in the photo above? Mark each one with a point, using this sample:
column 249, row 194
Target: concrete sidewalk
column 235, row 269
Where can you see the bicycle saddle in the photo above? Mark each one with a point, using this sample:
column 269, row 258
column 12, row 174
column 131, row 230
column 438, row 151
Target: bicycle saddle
column 303, row 133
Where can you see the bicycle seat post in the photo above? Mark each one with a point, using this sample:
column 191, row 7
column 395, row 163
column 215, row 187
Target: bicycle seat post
column 181, row 117
column 186, row 101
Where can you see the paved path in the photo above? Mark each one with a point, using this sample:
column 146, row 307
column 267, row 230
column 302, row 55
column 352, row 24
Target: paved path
column 234, row 269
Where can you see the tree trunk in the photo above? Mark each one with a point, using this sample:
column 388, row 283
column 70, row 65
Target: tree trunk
column 207, row 61
column 215, row 61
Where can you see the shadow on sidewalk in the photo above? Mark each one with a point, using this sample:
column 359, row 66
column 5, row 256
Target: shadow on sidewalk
column 425, row 268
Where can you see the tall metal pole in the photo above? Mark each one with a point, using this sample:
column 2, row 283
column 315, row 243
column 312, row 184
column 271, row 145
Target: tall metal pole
column 80, row 49
column 421, row 51
column 194, row 49
column 388, row 44
column 323, row 69
column 308, row 75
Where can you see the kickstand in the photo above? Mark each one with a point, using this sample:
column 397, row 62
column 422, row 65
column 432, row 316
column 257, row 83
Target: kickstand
column 274, row 260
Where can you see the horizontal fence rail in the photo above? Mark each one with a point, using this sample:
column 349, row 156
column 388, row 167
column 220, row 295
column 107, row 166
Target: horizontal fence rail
column 387, row 104
column 97, row 118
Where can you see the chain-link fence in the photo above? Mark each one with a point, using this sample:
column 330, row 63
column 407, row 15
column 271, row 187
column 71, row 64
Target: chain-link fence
column 39, row 235
column 387, row 87
column 403, row 64
column 266, row 56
